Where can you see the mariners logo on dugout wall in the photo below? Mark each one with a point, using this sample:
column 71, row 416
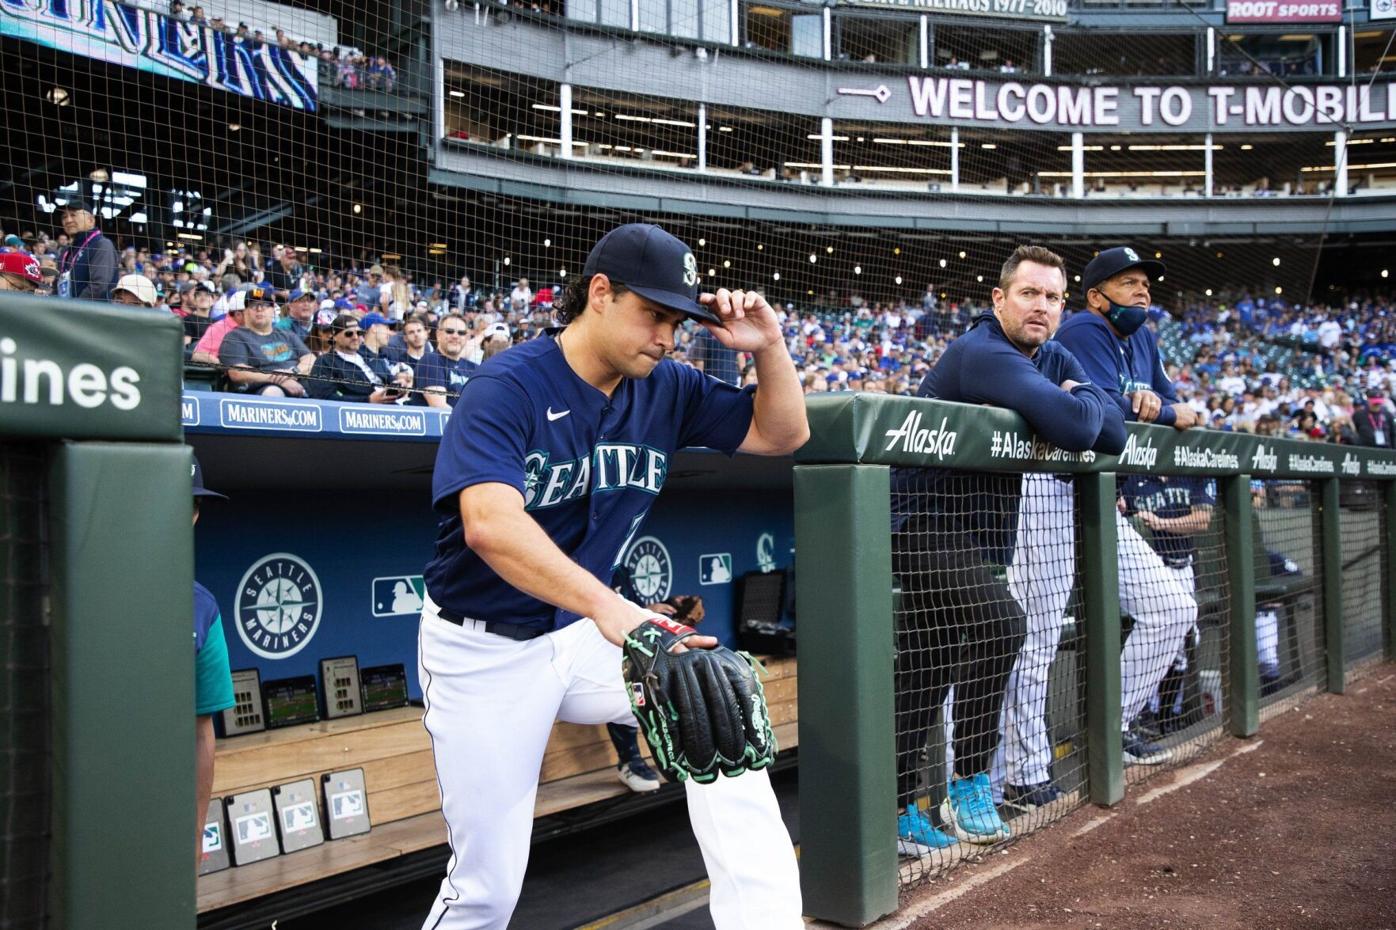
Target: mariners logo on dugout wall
column 278, row 606
column 651, row 570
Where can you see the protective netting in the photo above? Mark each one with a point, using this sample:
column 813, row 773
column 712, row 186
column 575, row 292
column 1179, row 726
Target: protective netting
column 1175, row 609
column 1290, row 650
column 854, row 163
column 988, row 705
column 1360, row 516
column 25, row 754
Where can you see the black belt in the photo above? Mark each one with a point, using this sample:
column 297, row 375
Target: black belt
column 508, row 630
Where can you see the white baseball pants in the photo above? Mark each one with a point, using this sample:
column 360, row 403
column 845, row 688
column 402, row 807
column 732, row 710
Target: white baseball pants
column 1041, row 577
column 490, row 706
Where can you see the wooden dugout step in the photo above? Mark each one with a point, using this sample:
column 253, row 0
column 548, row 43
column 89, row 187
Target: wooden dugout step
column 393, row 749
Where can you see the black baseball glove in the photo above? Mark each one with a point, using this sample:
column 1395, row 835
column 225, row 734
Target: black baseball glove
column 703, row 711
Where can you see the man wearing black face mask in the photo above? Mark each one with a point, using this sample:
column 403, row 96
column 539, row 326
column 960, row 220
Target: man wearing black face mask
column 1119, row 353
column 1112, row 343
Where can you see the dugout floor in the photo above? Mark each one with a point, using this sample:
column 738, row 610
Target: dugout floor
column 636, row 872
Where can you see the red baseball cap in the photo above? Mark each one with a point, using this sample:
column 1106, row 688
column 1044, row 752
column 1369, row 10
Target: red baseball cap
column 22, row 264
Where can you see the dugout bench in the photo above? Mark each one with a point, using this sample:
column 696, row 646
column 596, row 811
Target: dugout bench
column 578, row 789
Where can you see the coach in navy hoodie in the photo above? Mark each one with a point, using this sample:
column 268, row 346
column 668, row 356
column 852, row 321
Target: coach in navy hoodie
column 958, row 625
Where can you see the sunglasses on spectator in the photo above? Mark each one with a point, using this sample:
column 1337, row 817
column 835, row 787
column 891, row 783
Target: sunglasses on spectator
column 356, row 333
column 453, row 332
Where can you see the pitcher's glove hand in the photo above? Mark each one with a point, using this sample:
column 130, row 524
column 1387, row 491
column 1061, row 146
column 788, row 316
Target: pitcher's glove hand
column 703, row 710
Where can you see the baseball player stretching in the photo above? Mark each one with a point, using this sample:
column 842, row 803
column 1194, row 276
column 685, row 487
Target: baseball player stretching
column 546, row 471
column 1175, row 509
column 1119, row 354
column 962, row 629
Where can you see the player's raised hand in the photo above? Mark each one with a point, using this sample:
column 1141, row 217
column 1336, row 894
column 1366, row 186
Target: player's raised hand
column 749, row 324
column 619, row 618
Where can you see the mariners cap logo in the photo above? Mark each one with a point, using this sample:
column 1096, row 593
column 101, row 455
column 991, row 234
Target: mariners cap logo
column 1131, row 254
column 690, row 269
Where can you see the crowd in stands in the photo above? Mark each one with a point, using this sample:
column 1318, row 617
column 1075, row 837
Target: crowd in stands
column 1244, row 362
column 349, row 68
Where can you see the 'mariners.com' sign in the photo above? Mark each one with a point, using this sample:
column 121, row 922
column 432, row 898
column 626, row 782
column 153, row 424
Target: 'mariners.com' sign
column 1170, row 108
column 150, row 41
column 1039, row 10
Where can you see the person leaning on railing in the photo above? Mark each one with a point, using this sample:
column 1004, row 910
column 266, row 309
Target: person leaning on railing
column 960, row 626
column 261, row 359
column 344, row 373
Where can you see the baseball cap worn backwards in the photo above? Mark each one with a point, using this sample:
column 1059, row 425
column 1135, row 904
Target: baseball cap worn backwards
column 653, row 264
column 1111, row 262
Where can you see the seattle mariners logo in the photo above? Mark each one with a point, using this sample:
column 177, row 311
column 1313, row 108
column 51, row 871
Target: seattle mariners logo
column 651, row 571
column 690, row 269
column 1131, row 254
column 766, row 552
column 278, row 605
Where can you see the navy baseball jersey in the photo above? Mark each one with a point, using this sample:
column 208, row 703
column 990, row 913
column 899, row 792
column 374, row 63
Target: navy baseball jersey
column 1119, row 366
column 436, row 370
column 588, row 466
column 1168, row 497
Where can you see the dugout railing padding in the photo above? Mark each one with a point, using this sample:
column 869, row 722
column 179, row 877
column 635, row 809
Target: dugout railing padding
column 96, row 532
column 843, row 492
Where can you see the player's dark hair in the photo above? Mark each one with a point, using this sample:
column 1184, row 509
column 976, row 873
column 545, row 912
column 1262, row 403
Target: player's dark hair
column 574, row 298
column 1029, row 253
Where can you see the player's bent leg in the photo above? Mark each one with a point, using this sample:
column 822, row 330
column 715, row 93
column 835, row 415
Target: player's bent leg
column 1163, row 612
column 746, row 847
column 488, row 742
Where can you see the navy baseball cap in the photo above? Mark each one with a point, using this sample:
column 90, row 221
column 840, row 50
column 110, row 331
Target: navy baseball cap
column 297, row 294
column 653, row 264
column 1113, row 261
column 259, row 295
column 198, row 480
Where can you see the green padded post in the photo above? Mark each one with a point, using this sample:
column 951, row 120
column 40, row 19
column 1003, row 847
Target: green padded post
column 848, row 822
column 1244, row 690
column 1101, row 600
column 124, row 826
column 1331, row 546
column 1388, row 490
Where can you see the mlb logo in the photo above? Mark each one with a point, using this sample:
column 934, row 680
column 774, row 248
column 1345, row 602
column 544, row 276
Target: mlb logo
column 398, row 595
column 715, row 568
column 638, row 690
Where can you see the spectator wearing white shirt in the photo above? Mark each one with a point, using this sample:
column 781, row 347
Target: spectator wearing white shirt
column 521, row 296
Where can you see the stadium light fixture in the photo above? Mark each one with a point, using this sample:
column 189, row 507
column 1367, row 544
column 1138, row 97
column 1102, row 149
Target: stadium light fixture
column 962, row 253
column 358, row 208
column 897, row 250
column 988, row 146
column 1247, row 147
column 702, row 242
column 457, row 93
column 1279, row 290
column 857, row 269
column 562, row 272
column 727, row 263
column 1275, row 261
column 1208, row 292
column 898, row 279
column 1385, row 273
column 507, row 261
column 1158, row 255
column 712, row 272
column 192, row 237
column 59, row 97
column 942, row 263
column 234, row 127
column 547, row 243
column 776, row 276
column 813, row 258
column 980, row 278
column 760, row 247
column 829, row 249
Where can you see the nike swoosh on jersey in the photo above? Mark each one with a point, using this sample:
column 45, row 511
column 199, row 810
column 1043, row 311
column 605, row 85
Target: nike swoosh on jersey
column 557, row 416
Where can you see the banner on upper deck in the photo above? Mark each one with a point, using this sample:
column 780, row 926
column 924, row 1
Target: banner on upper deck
column 151, row 41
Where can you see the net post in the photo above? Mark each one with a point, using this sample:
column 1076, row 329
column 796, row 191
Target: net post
column 1244, row 676
column 848, row 833
column 1101, row 600
column 1388, row 594
column 1331, row 543
column 123, row 686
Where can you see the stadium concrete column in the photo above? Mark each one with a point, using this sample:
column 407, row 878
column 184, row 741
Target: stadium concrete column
column 1207, row 166
column 828, row 35
column 826, row 150
column 1047, row 50
column 1340, row 163
column 925, row 40
column 1078, row 165
column 734, row 21
column 1342, row 51
column 1211, row 50
column 634, row 15
column 954, row 158
column 702, row 137
column 565, row 102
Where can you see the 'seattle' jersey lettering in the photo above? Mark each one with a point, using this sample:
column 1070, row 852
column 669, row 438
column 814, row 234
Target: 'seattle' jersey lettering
column 588, row 466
